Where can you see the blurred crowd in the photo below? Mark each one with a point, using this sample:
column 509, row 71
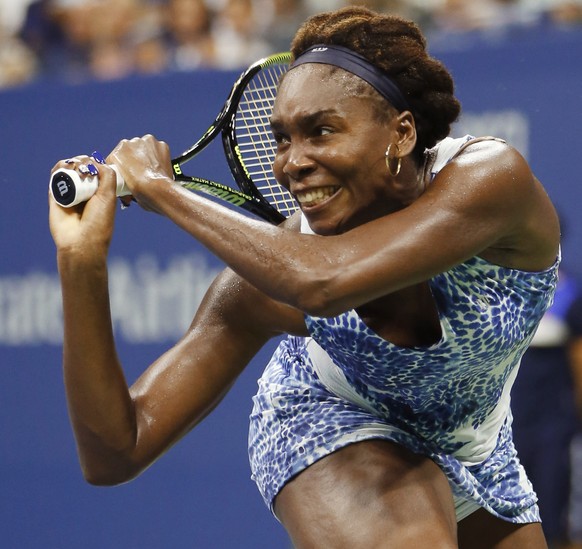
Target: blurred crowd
column 79, row 40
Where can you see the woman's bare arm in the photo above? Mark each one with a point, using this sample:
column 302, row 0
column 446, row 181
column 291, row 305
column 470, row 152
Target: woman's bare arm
column 485, row 202
column 121, row 430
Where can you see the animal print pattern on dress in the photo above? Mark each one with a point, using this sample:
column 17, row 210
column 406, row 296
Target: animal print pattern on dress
column 488, row 317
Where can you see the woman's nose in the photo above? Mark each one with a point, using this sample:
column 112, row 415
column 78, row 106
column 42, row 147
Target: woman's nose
column 297, row 163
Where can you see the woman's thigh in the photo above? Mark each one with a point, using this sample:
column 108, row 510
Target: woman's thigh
column 369, row 494
column 481, row 530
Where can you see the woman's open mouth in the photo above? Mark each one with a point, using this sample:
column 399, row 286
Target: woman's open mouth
column 313, row 197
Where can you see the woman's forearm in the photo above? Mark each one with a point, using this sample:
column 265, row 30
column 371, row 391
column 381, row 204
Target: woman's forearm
column 100, row 406
column 280, row 263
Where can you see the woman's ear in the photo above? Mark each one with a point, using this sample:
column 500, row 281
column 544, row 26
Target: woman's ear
column 407, row 188
column 406, row 131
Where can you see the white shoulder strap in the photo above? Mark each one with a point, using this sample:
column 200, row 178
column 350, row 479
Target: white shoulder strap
column 450, row 147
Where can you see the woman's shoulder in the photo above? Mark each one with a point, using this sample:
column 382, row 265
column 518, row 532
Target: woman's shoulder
column 482, row 157
column 489, row 186
column 450, row 148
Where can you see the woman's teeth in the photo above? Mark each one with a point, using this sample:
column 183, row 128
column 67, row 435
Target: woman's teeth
column 315, row 196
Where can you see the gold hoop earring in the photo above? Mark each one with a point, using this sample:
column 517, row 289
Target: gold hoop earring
column 388, row 160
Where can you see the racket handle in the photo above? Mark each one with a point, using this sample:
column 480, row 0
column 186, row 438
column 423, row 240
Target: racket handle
column 68, row 189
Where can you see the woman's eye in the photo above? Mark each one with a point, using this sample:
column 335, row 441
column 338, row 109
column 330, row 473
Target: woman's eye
column 280, row 138
column 324, row 130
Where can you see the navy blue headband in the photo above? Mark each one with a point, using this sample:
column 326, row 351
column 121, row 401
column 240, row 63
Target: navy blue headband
column 349, row 60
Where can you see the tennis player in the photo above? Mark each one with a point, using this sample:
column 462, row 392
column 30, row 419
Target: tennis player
column 409, row 286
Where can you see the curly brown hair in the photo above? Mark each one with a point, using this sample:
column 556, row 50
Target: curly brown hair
column 398, row 47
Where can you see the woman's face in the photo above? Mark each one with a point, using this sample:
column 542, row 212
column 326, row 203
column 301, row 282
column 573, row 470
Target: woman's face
column 331, row 144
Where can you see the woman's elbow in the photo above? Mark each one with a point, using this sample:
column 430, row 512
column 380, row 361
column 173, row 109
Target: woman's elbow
column 320, row 298
column 112, row 474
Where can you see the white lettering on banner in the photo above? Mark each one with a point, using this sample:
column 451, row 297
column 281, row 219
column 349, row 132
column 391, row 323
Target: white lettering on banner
column 511, row 125
column 30, row 310
column 151, row 305
column 148, row 304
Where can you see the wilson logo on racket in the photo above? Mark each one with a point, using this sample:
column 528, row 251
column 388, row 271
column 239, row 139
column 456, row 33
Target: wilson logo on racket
column 62, row 187
column 224, row 193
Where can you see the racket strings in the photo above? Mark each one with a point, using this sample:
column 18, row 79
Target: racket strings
column 256, row 145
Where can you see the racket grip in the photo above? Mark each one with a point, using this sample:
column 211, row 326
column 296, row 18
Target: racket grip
column 68, row 189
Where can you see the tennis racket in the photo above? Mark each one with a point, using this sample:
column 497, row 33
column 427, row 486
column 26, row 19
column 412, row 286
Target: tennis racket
column 244, row 126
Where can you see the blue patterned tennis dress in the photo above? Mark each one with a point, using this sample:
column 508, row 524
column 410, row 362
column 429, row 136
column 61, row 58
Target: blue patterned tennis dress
column 449, row 401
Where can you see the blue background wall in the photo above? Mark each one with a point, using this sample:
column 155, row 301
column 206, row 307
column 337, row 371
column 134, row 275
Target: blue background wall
column 199, row 494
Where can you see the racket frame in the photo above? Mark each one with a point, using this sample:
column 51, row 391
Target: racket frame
column 249, row 197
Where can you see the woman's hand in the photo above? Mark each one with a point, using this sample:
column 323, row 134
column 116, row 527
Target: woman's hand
column 144, row 163
column 86, row 228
